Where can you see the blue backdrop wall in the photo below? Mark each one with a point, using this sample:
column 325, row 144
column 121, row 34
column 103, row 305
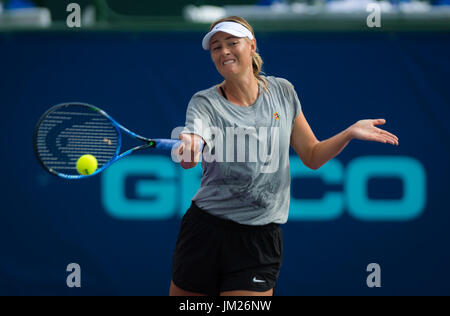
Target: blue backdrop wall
column 374, row 203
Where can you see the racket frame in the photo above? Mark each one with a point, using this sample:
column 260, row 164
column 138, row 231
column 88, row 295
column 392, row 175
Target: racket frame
column 166, row 144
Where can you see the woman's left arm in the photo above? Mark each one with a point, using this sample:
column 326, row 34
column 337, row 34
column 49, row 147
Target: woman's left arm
column 315, row 154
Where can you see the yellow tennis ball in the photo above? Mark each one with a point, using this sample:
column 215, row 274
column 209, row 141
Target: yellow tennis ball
column 86, row 165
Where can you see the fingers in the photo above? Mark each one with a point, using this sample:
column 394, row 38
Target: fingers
column 386, row 133
column 187, row 148
column 391, row 138
column 379, row 121
column 192, row 142
column 181, row 149
column 386, row 139
column 392, row 141
column 386, row 136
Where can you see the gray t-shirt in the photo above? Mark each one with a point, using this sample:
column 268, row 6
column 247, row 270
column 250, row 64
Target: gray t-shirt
column 245, row 162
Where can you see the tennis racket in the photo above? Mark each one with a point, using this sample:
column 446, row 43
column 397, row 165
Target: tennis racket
column 68, row 131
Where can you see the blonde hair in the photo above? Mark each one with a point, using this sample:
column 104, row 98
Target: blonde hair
column 257, row 61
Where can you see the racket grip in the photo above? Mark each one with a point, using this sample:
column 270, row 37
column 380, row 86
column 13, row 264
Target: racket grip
column 166, row 144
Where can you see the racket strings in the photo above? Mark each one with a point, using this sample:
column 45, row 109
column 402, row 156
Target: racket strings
column 71, row 131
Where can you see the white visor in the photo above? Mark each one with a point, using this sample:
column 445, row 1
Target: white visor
column 233, row 28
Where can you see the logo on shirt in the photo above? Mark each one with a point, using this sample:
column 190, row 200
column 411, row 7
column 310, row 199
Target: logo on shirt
column 255, row 280
column 276, row 115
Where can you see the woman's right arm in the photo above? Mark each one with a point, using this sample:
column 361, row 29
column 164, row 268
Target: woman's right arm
column 190, row 149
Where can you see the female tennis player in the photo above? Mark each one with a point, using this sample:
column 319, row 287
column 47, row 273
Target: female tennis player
column 230, row 240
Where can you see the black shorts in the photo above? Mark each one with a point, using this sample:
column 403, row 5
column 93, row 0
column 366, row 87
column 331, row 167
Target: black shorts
column 214, row 255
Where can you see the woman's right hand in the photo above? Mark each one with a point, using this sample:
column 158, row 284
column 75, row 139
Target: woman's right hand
column 190, row 149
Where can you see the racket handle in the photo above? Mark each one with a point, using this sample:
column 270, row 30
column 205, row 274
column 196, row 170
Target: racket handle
column 166, row 144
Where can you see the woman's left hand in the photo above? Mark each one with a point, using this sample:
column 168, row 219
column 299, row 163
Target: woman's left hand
column 366, row 130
